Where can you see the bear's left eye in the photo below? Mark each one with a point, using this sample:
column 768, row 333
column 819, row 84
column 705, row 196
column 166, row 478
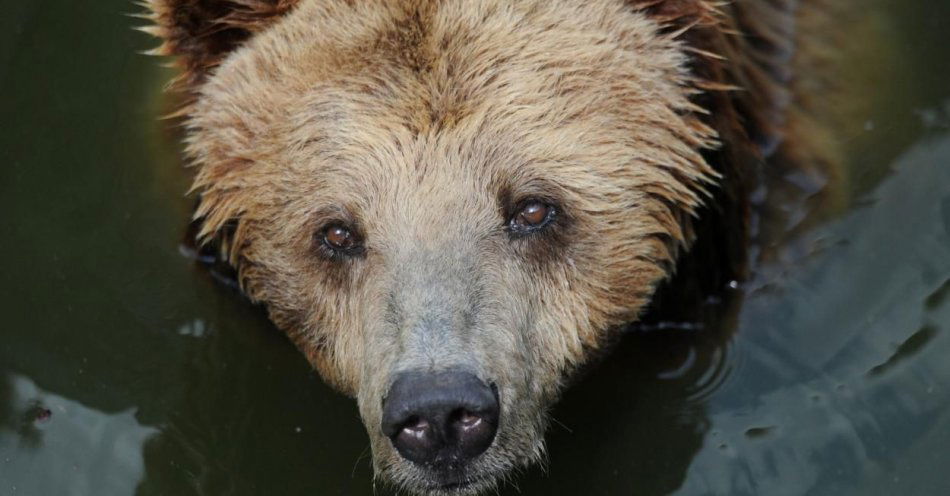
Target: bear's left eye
column 531, row 216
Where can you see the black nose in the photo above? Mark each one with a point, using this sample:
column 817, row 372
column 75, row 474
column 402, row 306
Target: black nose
column 440, row 418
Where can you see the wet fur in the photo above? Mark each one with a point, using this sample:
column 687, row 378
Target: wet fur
column 407, row 117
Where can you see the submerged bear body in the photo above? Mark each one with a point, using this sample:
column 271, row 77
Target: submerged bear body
column 450, row 206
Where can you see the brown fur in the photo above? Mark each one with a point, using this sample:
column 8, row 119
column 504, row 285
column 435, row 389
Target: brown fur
column 423, row 122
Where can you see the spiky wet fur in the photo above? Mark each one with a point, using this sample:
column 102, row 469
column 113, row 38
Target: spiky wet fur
column 430, row 116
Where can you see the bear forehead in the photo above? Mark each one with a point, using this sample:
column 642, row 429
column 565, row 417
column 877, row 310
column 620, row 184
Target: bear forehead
column 346, row 78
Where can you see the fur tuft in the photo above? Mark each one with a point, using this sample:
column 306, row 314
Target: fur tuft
column 200, row 33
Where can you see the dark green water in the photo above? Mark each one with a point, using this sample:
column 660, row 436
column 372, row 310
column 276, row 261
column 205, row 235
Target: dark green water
column 125, row 369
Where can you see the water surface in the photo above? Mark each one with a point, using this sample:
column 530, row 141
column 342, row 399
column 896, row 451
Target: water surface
column 125, row 369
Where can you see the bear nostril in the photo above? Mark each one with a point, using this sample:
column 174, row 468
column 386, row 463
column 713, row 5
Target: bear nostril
column 468, row 421
column 416, row 426
column 473, row 433
column 416, row 438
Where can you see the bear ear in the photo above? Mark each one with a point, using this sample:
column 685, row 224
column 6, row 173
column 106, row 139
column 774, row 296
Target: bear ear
column 201, row 33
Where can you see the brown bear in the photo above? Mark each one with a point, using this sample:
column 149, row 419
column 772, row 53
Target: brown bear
column 451, row 205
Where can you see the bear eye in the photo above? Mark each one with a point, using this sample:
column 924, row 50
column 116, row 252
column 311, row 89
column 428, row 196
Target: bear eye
column 531, row 216
column 339, row 238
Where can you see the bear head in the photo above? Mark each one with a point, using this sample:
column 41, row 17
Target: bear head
column 448, row 205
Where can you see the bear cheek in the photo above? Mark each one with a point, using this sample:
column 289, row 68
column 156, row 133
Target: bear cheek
column 322, row 362
column 328, row 303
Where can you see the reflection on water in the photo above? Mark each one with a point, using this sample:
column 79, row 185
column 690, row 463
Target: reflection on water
column 59, row 446
column 849, row 393
column 124, row 369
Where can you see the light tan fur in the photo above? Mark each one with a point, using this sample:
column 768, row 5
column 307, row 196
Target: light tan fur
column 420, row 122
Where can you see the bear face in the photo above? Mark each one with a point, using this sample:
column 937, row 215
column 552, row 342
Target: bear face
column 477, row 192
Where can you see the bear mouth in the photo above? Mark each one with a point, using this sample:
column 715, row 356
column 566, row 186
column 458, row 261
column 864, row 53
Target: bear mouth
column 454, row 483
column 465, row 486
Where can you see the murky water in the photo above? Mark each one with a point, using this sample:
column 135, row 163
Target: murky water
column 125, row 369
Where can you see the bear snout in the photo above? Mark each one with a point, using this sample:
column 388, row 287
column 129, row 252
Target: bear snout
column 440, row 420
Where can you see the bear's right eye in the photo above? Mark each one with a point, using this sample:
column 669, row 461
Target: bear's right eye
column 340, row 239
